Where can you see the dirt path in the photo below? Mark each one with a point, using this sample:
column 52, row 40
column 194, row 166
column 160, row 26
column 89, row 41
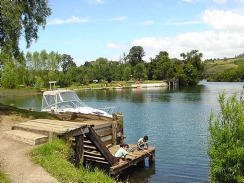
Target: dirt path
column 14, row 158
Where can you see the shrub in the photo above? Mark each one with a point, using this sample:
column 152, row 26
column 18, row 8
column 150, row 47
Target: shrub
column 226, row 141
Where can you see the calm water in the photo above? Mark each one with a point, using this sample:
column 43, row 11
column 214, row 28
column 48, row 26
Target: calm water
column 176, row 122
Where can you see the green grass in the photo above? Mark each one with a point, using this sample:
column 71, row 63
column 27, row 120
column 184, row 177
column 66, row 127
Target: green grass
column 53, row 157
column 25, row 113
column 218, row 66
column 3, row 178
column 18, row 92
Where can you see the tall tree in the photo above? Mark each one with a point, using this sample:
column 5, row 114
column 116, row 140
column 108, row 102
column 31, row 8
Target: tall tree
column 19, row 18
column 135, row 55
column 67, row 62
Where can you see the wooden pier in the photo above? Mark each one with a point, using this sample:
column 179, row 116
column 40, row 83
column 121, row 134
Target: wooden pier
column 94, row 141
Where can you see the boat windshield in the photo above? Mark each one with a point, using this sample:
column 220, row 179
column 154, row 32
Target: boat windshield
column 72, row 99
column 69, row 96
column 62, row 100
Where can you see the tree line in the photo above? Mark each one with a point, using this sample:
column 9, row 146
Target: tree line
column 37, row 68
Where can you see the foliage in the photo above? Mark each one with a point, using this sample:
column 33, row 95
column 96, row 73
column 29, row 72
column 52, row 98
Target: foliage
column 226, row 142
column 54, row 156
column 224, row 69
column 140, row 72
column 19, row 18
column 67, row 62
column 135, row 55
column 39, row 82
column 3, row 178
column 37, row 68
column 236, row 74
column 9, row 76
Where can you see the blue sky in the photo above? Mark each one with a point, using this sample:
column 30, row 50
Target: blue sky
column 88, row 29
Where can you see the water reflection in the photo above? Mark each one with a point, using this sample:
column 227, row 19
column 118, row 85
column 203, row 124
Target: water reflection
column 139, row 174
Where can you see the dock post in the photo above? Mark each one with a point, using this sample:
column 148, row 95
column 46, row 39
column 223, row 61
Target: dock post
column 151, row 158
column 114, row 132
column 141, row 163
column 79, row 145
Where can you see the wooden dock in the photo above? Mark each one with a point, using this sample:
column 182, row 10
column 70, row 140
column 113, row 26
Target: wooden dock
column 94, row 141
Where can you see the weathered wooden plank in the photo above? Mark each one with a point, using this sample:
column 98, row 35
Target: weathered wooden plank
column 50, row 125
column 106, row 138
column 59, row 123
column 42, row 127
column 96, row 153
column 116, row 169
column 103, row 125
column 97, row 161
column 94, row 157
column 114, row 132
column 79, row 150
column 26, row 137
column 100, row 146
column 39, row 131
column 89, row 146
column 104, row 132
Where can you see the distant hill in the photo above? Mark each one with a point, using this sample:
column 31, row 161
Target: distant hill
column 212, row 67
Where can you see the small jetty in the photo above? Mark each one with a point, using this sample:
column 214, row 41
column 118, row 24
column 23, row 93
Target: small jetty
column 94, row 140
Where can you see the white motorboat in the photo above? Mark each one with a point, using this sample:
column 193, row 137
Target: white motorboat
column 61, row 101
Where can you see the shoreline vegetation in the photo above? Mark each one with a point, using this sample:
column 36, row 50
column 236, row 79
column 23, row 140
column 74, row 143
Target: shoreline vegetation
column 4, row 178
column 226, row 141
column 54, row 158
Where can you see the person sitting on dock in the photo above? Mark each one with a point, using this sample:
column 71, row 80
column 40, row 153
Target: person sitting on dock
column 142, row 143
column 123, row 151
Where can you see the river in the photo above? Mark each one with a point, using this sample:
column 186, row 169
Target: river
column 176, row 121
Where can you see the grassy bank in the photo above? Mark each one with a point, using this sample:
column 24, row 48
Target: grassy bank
column 222, row 65
column 3, row 178
column 18, row 92
column 7, row 110
column 54, row 156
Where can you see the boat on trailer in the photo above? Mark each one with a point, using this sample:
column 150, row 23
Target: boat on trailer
column 67, row 101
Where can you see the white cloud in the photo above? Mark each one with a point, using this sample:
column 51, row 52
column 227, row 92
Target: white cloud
column 188, row 1
column 220, row 1
column 224, row 39
column 115, row 45
column 224, row 20
column 211, row 43
column 96, row 2
column 71, row 20
column 148, row 22
column 120, row 18
column 187, row 22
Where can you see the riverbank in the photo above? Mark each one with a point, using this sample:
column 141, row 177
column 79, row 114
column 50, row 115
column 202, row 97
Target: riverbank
column 28, row 91
column 54, row 158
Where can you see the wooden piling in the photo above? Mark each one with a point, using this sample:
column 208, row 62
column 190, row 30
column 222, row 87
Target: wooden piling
column 79, row 145
column 151, row 159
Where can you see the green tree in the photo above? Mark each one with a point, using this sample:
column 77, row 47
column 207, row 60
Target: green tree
column 19, row 18
column 226, row 142
column 67, row 62
column 9, row 75
column 194, row 57
column 135, row 55
column 140, row 72
column 127, row 73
